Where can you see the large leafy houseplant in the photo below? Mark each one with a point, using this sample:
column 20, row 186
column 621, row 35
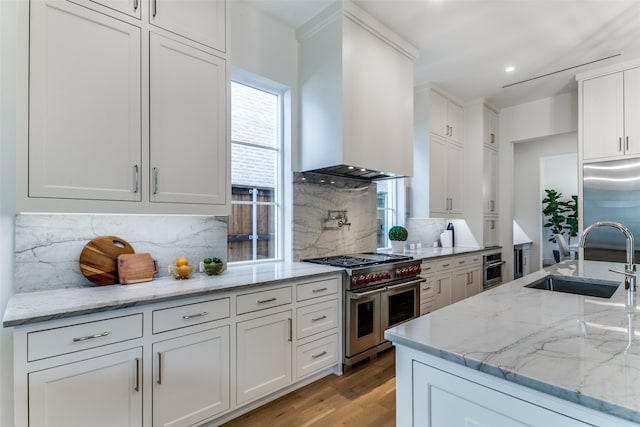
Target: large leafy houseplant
column 572, row 217
column 553, row 209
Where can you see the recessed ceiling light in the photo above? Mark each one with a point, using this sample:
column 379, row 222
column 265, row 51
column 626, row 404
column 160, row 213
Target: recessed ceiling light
column 363, row 170
column 510, row 69
column 351, row 167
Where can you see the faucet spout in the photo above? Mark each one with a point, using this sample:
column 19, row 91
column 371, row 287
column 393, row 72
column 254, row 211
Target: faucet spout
column 630, row 268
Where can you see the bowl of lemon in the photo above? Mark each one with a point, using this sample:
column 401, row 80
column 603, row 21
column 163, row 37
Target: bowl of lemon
column 181, row 270
column 213, row 266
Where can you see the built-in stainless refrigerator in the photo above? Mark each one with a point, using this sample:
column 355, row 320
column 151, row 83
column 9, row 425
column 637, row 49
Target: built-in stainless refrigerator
column 611, row 193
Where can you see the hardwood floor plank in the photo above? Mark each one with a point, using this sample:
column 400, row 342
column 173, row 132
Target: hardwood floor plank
column 362, row 397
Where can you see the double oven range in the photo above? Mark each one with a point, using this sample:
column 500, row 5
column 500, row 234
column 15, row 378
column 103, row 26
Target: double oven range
column 380, row 291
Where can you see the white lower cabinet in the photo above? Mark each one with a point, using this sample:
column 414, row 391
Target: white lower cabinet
column 263, row 355
column 102, row 391
column 191, row 378
column 316, row 355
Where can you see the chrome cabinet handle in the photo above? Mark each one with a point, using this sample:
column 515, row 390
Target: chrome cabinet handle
column 315, row 356
column 627, row 142
column 263, row 301
column 191, row 316
column 136, row 178
column 445, row 265
column 493, row 138
column 90, row 337
column 137, row 387
column 155, row 8
column 319, row 318
column 319, row 290
column 159, row 368
column 619, row 143
column 439, row 286
column 492, row 205
column 155, row 180
column 290, row 329
column 135, row 7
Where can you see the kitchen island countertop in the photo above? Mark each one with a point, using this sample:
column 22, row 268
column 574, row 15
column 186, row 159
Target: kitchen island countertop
column 39, row 306
column 582, row 349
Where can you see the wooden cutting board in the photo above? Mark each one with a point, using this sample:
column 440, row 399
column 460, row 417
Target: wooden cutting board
column 136, row 268
column 98, row 259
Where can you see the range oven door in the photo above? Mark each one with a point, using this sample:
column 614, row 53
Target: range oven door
column 363, row 321
column 492, row 269
column 400, row 302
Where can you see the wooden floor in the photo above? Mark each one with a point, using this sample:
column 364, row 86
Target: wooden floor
column 364, row 396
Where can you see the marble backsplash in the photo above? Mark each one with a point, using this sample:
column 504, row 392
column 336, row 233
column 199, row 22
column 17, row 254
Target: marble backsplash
column 48, row 247
column 424, row 230
column 314, row 196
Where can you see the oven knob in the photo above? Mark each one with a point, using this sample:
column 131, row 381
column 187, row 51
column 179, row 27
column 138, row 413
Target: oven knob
column 387, row 276
column 380, row 276
column 374, row 278
column 403, row 272
column 367, row 279
column 419, row 269
column 414, row 270
column 360, row 280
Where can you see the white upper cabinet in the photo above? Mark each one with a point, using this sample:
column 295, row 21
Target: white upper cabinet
column 356, row 80
column 84, row 99
column 490, row 128
column 201, row 21
column 124, row 117
column 187, row 124
column 610, row 107
column 446, row 118
column 490, row 181
column 446, row 178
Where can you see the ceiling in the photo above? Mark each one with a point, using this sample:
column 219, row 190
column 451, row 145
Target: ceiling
column 465, row 45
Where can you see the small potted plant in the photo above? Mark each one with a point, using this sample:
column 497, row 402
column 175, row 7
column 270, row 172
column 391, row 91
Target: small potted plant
column 398, row 235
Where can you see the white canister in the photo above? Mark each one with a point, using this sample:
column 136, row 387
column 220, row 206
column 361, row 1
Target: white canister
column 446, row 239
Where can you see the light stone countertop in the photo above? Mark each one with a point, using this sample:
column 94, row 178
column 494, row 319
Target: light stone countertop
column 425, row 253
column 30, row 307
column 570, row 346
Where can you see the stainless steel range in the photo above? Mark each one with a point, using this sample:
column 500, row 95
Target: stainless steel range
column 380, row 291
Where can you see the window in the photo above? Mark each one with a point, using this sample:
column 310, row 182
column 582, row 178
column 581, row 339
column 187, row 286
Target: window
column 256, row 165
column 386, row 212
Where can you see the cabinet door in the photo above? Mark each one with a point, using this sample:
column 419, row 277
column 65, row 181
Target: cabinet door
column 263, row 355
column 602, row 117
column 105, row 391
column 490, row 234
column 459, row 285
column 191, row 378
column 455, row 118
column 188, row 124
column 200, row 21
column 443, row 283
column 84, row 104
column 490, row 181
column 455, row 178
column 474, row 281
column 438, row 114
column 437, row 175
column 632, row 111
column 490, row 128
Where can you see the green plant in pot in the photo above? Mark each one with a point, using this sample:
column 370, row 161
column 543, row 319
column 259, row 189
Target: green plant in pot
column 572, row 217
column 554, row 211
column 398, row 235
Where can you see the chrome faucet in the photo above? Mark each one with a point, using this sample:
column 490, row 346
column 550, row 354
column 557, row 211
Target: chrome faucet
column 630, row 267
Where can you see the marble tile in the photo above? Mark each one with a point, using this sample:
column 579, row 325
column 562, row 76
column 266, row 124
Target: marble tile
column 313, row 236
column 48, row 247
column 425, row 230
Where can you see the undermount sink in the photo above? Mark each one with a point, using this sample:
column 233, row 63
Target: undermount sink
column 577, row 285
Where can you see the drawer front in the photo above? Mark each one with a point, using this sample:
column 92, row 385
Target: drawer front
column 428, row 267
column 316, row 318
column 316, row 355
column 460, row 262
column 254, row 301
column 427, row 305
column 82, row 336
column 445, row 264
column 428, row 288
column 317, row 289
column 190, row 314
column 474, row 259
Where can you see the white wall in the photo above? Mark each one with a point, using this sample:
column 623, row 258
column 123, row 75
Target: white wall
column 8, row 30
column 542, row 163
column 542, row 118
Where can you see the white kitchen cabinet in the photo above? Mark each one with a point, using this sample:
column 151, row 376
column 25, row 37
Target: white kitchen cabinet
column 187, row 124
column 103, row 391
column 446, row 177
column 84, row 105
column 443, row 289
column 201, row 21
column 459, row 285
column 191, row 378
column 446, row 118
column 427, row 294
column 610, row 106
column 474, row 270
column 490, row 181
column 489, row 128
column 263, row 355
column 491, row 232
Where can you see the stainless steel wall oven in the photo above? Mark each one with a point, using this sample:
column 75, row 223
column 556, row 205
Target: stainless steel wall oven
column 492, row 269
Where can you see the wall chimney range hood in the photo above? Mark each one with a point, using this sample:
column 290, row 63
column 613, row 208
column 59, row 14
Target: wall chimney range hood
column 356, row 92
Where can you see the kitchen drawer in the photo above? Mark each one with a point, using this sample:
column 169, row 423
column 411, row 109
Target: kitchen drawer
column 474, row 259
column 459, row 262
column 427, row 305
column 315, row 318
column 317, row 289
column 316, row 355
column 254, row 301
column 190, row 314
column 82, row 336
column 428, row 288
column 445, row 264
column 428, row 267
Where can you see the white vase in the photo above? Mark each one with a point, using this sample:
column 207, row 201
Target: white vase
column 397, row 246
